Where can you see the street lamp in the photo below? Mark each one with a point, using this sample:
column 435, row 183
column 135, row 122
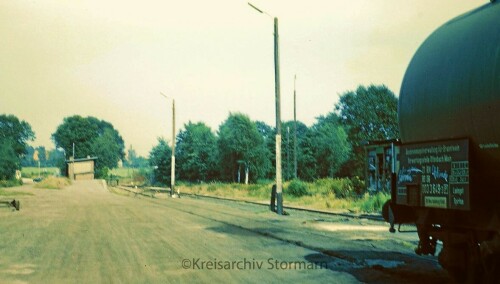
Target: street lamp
column 172, row 166
column 279, row 185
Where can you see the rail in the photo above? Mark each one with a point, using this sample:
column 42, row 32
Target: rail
column 151, row 191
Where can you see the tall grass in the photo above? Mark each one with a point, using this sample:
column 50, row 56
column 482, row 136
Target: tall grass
column 322, row 194
column 53, row 183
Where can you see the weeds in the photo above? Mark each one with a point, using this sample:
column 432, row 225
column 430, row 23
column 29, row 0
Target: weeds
column 53, row 183
column 322, row 194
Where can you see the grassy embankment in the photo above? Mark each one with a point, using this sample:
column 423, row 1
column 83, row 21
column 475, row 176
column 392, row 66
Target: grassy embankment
column 323, row 194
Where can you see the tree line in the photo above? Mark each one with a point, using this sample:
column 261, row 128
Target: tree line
column 243, row 150
column 240, row 150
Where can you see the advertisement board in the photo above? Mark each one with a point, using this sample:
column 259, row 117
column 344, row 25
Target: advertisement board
column 434, row 175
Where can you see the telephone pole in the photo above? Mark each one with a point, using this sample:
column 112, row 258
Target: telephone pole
column 279, row 181
column 172, row 165
column 294, row 128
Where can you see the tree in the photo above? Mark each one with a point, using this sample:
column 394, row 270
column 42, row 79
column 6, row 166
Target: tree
column 56, row 158
column 133, row 160
column 89, row 134
column 196, row 152
column 368, row 114
column 268, row 133
column 18, row 132
column 27, row 159
column 306, row 163
column 9, row 161
column 42, row 155
column 14, row 135
column 306, row 159
column 330, row 145
column 130, row 158
column 160, row 160
column 108, row 152
column 76, row 130
column 241, row 147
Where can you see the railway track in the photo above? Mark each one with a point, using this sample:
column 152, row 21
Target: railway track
column 151, row 191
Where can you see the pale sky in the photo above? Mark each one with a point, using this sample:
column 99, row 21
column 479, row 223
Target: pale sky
column 111, row 59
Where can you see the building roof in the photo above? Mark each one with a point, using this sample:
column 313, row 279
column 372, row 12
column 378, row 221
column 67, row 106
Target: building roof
column 81, row 160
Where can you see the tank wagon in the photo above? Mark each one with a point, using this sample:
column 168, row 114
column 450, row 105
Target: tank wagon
column 445, row 177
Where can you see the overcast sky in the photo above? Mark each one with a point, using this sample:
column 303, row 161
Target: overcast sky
column 111, row 59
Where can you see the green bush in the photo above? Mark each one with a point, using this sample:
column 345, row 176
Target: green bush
column 322, row 186
column 297, row 188
column 102, row 172
column 374, row 203
column 341, row 187
column 358, row 185
column 10, row 183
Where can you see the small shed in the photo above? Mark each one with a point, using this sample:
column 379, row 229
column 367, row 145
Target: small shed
column 81, row 169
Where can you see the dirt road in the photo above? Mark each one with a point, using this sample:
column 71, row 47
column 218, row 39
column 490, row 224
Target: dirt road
column 86, row 234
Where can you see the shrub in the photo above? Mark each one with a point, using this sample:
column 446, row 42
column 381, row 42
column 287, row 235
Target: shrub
column 323, row 186
column 10, row 183
column 358, row 185
column 343, row 188
column 297, row 188
column 102, row 172
column 374, row 203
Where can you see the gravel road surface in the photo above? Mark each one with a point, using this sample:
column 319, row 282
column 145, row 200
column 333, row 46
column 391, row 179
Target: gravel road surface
column 86, row 233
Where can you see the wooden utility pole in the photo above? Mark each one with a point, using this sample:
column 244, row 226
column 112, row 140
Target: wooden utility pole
column 279, row 182
column 172, row 165
column 287, row 153
column 294, row 128
column 172, row 171
column 279, row 185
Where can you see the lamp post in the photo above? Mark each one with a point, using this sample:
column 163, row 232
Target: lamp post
column 279, row 185
column 172, row 166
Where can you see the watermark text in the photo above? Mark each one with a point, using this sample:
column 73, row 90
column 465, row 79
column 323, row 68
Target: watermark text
column 250, row 264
